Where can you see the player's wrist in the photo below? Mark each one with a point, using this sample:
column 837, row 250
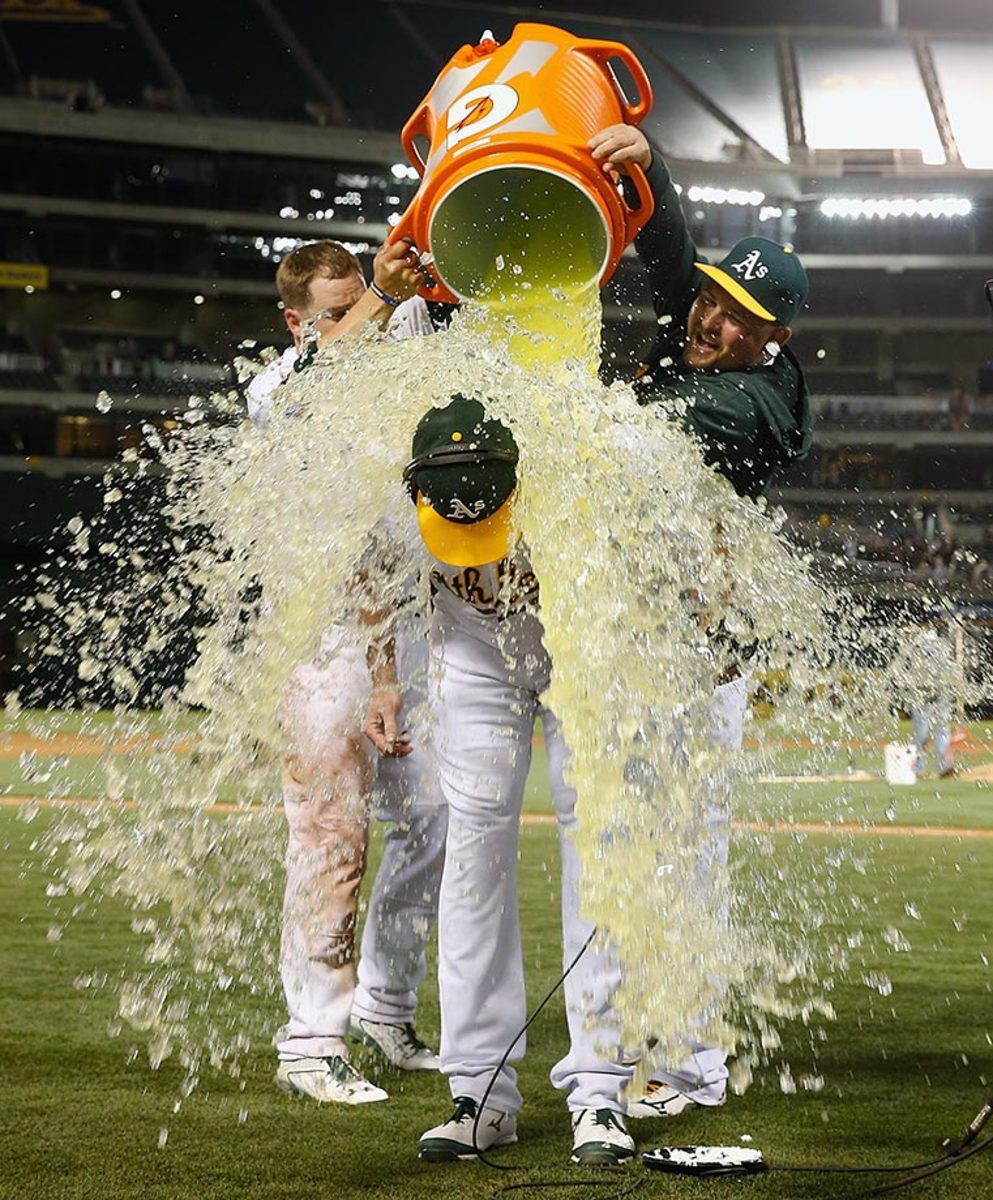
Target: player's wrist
column 385, row 693
column 381, row 294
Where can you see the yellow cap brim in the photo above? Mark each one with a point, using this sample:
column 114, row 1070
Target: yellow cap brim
column 461, row 545
column 734, row 288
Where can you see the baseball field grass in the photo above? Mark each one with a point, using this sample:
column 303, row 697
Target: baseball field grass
column 902, row 1067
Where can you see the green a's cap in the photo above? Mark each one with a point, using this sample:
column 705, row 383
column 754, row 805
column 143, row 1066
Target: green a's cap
column 765, row 277
column 462, row 474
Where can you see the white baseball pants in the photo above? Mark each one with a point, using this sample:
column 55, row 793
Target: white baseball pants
column 329, row 785
column 488, row 675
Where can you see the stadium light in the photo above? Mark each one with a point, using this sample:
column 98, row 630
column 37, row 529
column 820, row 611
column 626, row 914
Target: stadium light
column 896, row 206
column 716, row 195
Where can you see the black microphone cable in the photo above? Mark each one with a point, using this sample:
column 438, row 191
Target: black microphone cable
column 954, row 1152
column 541, row 1185
column 506, row 1054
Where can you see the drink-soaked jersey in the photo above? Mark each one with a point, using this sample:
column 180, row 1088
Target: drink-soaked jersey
column 413, row 318
column 496, row 589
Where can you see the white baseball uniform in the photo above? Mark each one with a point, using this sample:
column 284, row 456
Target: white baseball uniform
column 332, row 779
column 489, row 669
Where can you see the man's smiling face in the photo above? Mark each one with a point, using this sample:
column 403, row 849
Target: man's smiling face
column 722, row 335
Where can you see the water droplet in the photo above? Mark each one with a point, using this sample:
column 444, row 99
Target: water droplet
column 879, row 982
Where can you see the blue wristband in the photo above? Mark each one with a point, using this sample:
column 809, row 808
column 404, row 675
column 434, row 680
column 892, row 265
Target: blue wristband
column 378, row 291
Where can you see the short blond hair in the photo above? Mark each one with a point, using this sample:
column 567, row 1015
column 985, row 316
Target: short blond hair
column 306, row 263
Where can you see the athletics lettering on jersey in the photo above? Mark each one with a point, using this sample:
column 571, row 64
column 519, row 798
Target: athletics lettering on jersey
column 496, row 589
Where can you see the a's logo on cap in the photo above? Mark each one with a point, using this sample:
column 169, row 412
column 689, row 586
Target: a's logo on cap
column 462, row 512
column 751, row 266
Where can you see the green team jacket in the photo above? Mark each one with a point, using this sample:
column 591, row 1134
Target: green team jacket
column 753, row 422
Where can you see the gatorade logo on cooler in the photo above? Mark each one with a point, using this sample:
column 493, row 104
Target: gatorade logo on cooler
column 751, row 266
column 480, row 109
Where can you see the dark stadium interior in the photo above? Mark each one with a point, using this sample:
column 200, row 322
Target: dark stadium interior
column 159, row 161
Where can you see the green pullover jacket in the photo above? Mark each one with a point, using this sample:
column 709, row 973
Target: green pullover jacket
column 752, row 423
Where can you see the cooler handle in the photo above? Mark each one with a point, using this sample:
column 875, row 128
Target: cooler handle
column 636, row 218
column 406, row 228
column 603, row 52
column 416, row 126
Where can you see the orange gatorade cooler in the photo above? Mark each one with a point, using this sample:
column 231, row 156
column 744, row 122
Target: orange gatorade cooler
column 510, row 197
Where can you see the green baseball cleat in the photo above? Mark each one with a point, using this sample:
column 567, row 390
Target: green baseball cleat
column 453, row 1141
column 397, row 1043
column 600, row 1138
column 330, row 1080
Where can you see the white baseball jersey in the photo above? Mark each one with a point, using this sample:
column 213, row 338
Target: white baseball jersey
column 493, row 589
column 411, row 319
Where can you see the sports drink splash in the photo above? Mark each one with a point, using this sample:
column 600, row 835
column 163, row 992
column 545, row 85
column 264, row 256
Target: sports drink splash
column 620, row 518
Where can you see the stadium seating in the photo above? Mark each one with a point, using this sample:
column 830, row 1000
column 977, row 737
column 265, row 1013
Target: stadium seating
column 110, row 53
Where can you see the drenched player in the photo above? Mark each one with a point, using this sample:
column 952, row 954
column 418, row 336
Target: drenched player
column 330, row 780
column 491, row 669
column 720, row 365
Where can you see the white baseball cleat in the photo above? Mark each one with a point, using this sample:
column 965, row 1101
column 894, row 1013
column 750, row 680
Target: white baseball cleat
column 398, row 1044
column 661, row 1100
column 600, row 1138
column 453, row 1140
column 330, row 1080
